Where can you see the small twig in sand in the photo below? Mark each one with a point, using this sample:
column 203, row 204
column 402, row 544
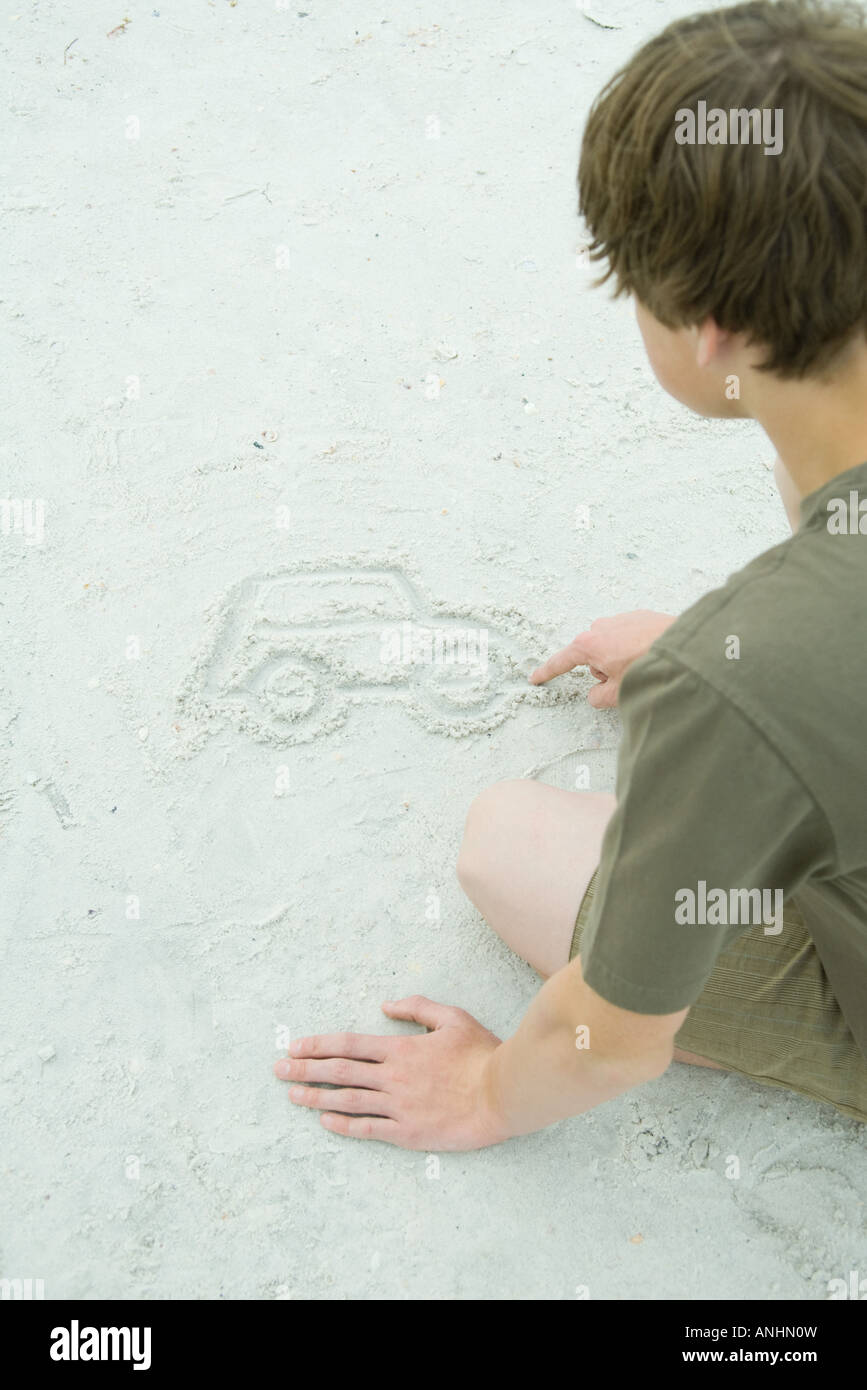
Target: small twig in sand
column 264, row 191
column 593, row 20
column 66, row 50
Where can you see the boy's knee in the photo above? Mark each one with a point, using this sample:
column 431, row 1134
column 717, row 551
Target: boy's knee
column 486, row 819
column 469, row 854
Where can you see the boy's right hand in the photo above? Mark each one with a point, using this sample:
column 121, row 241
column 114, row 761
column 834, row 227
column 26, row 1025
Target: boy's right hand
column 608, row 648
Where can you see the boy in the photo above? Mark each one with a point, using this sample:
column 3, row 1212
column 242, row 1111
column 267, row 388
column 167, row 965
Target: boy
column 726, row 922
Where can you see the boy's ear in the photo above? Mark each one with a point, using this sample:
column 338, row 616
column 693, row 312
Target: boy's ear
column 709, row 339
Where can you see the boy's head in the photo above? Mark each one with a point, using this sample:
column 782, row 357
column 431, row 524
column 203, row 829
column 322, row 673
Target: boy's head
column 725, row 246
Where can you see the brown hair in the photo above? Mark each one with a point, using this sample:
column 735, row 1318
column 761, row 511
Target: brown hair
column 771, row 246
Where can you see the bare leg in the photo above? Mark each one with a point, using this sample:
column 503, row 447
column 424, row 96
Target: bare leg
column 528, row 854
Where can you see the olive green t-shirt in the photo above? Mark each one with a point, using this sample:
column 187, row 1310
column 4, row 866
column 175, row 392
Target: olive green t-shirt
column 742, row 774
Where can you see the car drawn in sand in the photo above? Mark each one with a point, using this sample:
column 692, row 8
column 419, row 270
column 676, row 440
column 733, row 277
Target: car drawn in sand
column 296, row 650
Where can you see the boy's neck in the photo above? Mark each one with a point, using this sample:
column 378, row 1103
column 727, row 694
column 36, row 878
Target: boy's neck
column 819, row 427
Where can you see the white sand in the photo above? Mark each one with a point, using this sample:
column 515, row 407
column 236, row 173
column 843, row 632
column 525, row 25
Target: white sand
column 320, row 220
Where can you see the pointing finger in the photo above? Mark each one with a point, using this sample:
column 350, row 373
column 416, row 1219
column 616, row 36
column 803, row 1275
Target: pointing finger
column 576, row 654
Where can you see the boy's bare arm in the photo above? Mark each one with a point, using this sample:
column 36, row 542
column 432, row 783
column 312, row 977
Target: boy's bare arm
column 572, row 1051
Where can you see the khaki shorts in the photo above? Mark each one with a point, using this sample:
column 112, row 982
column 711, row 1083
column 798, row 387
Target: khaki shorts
column 767, row 1011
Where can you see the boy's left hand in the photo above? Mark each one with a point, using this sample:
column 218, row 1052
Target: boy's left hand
column 427, row 1091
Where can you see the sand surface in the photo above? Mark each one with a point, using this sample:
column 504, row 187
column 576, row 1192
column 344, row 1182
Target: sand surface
column 300, row 328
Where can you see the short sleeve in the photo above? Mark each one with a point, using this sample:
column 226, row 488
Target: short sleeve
column 707, row 813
